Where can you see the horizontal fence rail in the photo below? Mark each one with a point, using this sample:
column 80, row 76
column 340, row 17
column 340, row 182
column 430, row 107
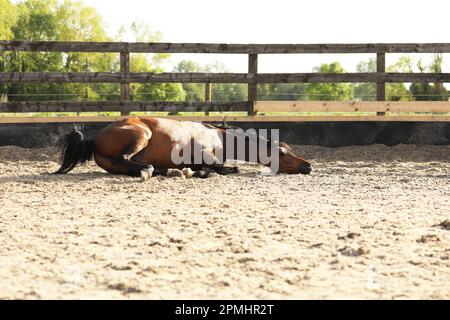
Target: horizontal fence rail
column 124, row 106
column 236, row 106
column 148, row 77
column 255, row 109
column 143, row 47
column 226, row 118
column 352, row 106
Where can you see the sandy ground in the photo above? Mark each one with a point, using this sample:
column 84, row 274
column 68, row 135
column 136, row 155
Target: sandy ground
column 364, row 224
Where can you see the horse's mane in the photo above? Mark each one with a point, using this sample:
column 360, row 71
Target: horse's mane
column 221, row 125
column 224, row 126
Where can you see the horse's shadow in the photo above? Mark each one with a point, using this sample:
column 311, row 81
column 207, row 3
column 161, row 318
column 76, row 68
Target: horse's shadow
column 98, row 175
column 48, row 176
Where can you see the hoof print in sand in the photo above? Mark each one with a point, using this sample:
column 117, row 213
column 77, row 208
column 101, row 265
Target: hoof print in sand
column 428, row 238
column 350, row 235
column 353, row 252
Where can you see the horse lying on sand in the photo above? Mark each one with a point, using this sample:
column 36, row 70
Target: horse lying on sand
column 144, row 146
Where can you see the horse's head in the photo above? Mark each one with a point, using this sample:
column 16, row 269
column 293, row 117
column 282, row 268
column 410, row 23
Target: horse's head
column 290, row 162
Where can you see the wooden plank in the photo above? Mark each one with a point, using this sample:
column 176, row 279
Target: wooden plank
column 125, row 86
column 125, row 106
column 252, row 88
column 145, row 77
column 352, row 106
column 381, row 86
column 352, row 77
column 381, row 68
column 58, row 119
column 208, row 94
column 143, row 47
column 260, row 106
column 85, row 119
column 113, row 77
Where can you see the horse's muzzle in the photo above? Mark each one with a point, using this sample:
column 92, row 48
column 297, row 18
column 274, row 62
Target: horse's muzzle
column 305, row 168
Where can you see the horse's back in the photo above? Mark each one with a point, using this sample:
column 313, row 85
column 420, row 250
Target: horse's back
column 184, row 132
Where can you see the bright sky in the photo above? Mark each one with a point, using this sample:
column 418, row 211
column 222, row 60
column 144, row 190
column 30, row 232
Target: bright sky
column 284, row 21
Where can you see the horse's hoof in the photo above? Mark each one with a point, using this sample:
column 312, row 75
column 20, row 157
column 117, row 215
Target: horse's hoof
column 227, row 170
column 201, row 174
column 187, row 172
column 175, row 173
column 231, row 170
column 146, row 174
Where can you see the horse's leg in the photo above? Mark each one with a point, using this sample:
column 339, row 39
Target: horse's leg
column 135, row 168
column 195, row 171
column 122, row 166
column 130, row 156
column 183, row 173
column 212, row 163
column 222, row 169
column 168, row 172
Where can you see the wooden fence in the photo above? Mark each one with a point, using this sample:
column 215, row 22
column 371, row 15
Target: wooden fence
column 252, row 78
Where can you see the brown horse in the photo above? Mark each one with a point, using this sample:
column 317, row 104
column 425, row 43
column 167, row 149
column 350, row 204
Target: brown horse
column 145, row 146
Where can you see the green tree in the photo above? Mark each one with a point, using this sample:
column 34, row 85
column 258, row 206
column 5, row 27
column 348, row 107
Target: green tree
column 72, row 20
column 8, row 17
column 282, row 91
column 78, row 22
column 151, row 63
column 64, row 21
column 330, row 91
column 426, row 91
column 193, row 91
column 394, row 91
column 366, row 91
column 220, row 91
column 153, row 91
column 225, row 91
column 35, row 21
column 398, row 91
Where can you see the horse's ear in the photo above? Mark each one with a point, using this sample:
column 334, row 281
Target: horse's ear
column 79, row 127
column 286, row 146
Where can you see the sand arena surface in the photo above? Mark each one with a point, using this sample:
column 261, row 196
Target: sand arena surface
column 364, row 224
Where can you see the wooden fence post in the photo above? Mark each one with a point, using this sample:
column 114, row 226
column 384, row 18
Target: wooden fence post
column 208, row 94
column 252, row 87
column 124, row 86
column 381, row 86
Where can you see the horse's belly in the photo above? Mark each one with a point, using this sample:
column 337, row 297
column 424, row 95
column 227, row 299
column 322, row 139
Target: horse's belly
column 165, row 150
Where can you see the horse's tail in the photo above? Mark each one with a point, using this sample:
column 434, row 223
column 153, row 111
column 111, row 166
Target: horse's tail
column 75, row 149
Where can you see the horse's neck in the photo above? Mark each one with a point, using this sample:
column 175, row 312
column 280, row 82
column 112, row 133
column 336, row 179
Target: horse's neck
column 251, row 150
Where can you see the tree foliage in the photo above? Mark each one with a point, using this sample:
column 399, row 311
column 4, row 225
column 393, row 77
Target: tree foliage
column 398, row 91
column 330, row 91
column 427, row 91
column 72, row 20
column 366, row 91
column 8, row 15
column 394, row 91
column 220, row 91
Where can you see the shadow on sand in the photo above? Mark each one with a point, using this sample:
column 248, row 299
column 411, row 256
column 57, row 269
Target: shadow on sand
column 47, row 176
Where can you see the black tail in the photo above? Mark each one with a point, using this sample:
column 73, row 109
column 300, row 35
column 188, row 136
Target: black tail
column 75, row 149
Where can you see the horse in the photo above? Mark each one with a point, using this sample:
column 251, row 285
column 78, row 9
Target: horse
column 145, row 146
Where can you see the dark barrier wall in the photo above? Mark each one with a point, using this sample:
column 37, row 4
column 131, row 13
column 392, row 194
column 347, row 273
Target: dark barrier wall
column 328, row 134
